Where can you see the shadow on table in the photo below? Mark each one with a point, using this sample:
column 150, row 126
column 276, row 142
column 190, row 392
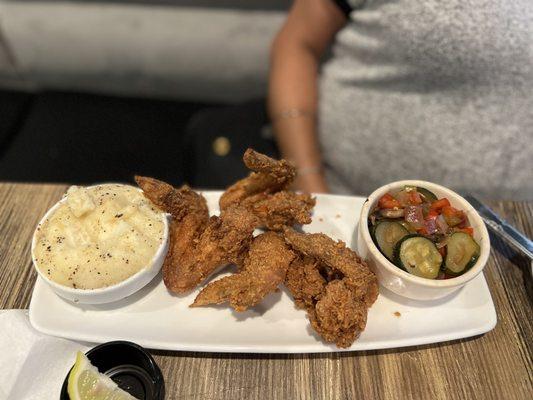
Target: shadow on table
column 518, row 260
column 307, row 356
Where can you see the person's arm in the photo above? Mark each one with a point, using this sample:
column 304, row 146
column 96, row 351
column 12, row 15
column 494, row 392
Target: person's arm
column 293, row 98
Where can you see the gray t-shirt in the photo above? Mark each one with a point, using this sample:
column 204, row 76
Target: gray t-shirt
column 434, row 90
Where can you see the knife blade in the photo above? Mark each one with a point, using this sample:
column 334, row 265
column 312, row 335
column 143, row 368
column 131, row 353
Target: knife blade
column 502, row 228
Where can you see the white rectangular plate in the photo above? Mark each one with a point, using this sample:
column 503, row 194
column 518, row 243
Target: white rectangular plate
column 156, row 319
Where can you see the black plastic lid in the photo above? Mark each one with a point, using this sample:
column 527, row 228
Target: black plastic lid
column 130, row 366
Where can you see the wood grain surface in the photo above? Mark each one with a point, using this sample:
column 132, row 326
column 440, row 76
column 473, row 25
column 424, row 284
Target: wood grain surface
column 497, row 365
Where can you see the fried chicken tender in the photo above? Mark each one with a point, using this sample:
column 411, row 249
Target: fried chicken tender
column 305, row 282
column 332, row 284
column 338, row 316
column 198, row 244
column 338, row 258
column 331, row 307
column 265, row 267
column 268, row 176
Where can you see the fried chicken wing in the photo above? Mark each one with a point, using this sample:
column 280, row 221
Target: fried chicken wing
column 332, row 284
column 198, row 244
column 177, row 202
column 268, row 176
column 325, row 278
column 188, row 210
column 264, row 193
column 264, row 268
column 224, row 241
column 281, row 209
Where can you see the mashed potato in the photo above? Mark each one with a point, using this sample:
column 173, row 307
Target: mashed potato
column 99, row 236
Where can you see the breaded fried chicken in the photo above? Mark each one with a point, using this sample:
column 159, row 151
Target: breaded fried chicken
column 268, row 176
column 339, row 258
column 281, row 209
column 304, row 281
column 332, row 284
column 338, row 316
column 198, row 244
column 177, row 202
column 189, row 218
column 264, row 192
column 224, row 241
column 264, row 268
column 325, row 277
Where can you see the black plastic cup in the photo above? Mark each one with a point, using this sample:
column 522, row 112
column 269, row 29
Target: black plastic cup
column 131, row 367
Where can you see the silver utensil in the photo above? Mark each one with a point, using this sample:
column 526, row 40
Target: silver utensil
column 502, row 228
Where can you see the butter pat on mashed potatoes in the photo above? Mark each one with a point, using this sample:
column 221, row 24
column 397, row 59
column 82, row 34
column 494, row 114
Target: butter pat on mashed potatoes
column 99, row 236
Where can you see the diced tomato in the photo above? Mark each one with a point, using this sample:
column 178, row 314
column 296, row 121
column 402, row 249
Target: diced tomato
column 469, row 230
column 414, row 198
column 453, row 216
column 387, row 201
column 437, row 205
column 448, row 211
column 442, row 251
column 433, row 214
column 422, row 231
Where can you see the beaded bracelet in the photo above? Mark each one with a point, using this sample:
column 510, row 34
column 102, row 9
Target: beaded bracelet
column 293, row 113
column 317, row 169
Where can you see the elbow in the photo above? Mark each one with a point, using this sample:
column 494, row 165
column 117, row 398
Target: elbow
column 276, row 46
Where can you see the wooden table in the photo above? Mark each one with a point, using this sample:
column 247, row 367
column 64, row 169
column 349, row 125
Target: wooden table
column 497, row 365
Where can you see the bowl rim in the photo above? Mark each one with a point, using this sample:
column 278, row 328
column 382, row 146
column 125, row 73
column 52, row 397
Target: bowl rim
column 75, row 291
column 431, row 283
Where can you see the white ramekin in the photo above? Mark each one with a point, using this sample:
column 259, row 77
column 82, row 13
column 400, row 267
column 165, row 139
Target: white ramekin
column 398, row 280
column 111, row 293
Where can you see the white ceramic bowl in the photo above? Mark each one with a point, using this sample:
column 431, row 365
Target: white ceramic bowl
column 403, row 283
column 111, row 293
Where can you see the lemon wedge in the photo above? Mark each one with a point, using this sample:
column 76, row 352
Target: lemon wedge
column 86, row 383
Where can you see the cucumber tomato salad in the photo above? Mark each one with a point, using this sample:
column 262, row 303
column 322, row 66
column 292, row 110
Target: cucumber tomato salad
column 422, row 234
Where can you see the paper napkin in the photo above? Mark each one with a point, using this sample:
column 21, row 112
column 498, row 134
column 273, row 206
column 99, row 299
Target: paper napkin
column 32, row 365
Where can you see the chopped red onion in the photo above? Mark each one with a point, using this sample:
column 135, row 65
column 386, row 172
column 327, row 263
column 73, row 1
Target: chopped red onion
column 442, row 225
column 415, row 216
column 431, row 226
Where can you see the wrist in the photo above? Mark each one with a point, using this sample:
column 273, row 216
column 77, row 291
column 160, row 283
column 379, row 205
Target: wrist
column 292, row 113
column 310, row 170
column 312, row 182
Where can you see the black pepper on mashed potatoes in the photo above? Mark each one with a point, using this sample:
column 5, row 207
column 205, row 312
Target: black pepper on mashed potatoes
column 98, row 236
